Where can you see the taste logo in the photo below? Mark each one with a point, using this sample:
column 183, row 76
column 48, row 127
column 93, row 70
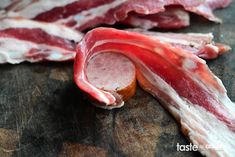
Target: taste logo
column 192, row 147
column 186, row 148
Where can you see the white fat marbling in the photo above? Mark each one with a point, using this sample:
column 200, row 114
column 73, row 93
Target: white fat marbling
column 50, row 28
column 14, row 51
column 93, row 13
column 29, row 9
column 189, row 64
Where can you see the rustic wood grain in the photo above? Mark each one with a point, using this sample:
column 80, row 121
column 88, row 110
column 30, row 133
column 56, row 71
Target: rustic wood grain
column 8, row 142
column 46, row 115
column 78, row 150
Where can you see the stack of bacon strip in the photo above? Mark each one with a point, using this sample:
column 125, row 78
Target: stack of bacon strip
column 84, row 14
column 27, row 40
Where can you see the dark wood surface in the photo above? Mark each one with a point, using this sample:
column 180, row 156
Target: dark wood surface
column 44, row 114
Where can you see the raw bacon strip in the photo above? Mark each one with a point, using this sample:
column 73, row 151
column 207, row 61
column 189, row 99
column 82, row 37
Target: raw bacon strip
column 199, row 44
column 31, row 8
column 70, row 10
column 84, row 14
column 171, row 18
column 118, row 10
column 148, row 7
column 67, row 12
column 26, row 40
column 181, row 80
column 51, row 11
column 103, row 13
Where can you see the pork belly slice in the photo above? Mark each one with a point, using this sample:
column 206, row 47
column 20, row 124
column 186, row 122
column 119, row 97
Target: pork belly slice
column 27, row 40
column 200, row 44
column 181, row 80
column 84, row 14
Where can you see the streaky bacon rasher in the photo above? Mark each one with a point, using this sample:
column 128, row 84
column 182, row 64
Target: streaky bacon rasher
column 28, row 40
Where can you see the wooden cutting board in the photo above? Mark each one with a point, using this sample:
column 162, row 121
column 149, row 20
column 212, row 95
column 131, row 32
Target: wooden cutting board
column 44, row 114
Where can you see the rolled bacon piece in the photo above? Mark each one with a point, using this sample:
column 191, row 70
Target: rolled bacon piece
column 179, row 79
column 121, row 79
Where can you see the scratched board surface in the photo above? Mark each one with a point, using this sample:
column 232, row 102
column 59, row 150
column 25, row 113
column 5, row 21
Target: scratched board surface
column 44, row 114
